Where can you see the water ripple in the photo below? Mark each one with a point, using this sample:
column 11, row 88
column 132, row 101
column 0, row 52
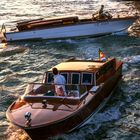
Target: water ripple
column 120, row 117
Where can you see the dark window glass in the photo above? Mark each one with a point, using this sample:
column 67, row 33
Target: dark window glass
column 50, row 78
column 66, row 76
column 87, row 78
column 75, row 78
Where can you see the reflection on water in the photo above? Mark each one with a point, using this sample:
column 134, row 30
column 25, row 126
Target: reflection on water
column 17, row 134
column 120, row 118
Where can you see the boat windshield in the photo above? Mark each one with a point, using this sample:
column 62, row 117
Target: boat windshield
column 39, row 92
column 71, row 90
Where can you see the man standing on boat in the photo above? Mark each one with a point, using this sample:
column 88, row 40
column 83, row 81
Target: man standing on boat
column 59, row 81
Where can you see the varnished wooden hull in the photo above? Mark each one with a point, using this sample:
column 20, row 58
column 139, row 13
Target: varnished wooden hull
column 76, row 120
column 62, row 117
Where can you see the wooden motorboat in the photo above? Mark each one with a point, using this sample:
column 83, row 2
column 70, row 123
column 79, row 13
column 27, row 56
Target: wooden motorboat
column 89, row 84
column 6, row 50
column 67, row 27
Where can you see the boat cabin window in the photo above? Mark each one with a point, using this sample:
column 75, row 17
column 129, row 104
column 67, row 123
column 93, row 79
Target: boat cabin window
column 87, row 78
column 66, row 76
column 75, row 78
column 49, row 77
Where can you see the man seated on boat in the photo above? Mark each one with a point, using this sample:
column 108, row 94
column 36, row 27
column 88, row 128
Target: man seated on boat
column 59, row 81
column 100, row 14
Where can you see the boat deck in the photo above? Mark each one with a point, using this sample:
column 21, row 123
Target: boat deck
column 53, row 111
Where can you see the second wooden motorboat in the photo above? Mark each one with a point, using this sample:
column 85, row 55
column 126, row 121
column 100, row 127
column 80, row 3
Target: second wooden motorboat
column 67, row 27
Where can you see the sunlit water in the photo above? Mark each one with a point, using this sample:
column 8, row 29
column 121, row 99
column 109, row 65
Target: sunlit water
column 120, row 118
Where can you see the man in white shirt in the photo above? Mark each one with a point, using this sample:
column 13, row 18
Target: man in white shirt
column 59, row 81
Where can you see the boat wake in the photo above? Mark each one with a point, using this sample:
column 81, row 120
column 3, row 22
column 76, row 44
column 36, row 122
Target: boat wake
column 132, row 59
column 120, row 33
column 112, row 113
column 92, row 125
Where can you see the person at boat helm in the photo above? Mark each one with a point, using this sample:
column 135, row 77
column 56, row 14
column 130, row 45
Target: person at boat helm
column 59, row 81
column 100, row 14
column 101, row 10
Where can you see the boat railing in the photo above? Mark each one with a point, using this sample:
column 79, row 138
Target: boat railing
column 39, row 92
